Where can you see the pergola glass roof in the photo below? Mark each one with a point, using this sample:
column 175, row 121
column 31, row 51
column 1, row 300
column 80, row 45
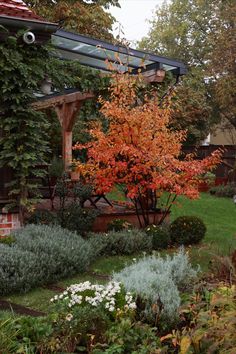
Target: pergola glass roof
column 93, row 52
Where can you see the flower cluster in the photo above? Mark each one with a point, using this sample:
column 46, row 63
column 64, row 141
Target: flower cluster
column 112, row 297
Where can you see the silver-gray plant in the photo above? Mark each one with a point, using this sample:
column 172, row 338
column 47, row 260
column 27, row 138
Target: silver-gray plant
column 157, row 280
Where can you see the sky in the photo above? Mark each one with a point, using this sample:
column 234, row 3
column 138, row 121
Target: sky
column 133, row 16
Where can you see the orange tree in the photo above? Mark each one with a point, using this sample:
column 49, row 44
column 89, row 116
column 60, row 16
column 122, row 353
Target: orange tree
column 140, row 150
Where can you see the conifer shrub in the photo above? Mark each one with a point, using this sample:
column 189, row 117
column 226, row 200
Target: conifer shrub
column 187, row 230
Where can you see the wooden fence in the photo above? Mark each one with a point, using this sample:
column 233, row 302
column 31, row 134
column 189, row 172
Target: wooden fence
column 225, row 169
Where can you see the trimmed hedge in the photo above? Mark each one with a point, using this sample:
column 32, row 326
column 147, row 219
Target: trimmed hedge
column 187, row 230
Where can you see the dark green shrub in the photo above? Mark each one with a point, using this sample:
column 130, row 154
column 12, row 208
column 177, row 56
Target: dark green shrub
column 228, row 190
column 7, row 240
column 76, row 218
column 122, row 242
column 160, row 236
column 42, row 217
column 187, row 230
column 118, row 225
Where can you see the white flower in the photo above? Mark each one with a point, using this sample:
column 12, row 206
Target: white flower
column 111, row 308
column 69, row 317
column 132, row 305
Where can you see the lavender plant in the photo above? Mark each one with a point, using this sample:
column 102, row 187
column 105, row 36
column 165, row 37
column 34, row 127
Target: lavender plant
column 158, row 281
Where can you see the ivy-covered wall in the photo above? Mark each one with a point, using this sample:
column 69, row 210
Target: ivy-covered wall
column 24, row 138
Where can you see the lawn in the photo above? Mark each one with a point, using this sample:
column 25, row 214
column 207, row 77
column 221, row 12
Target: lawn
column 219, row 215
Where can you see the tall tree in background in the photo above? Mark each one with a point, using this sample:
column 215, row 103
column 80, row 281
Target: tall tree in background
column 222, row 60
column 201, row 33
column 86, row 17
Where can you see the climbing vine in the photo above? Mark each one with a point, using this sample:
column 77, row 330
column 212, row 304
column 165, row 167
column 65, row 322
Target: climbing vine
column 23, row 131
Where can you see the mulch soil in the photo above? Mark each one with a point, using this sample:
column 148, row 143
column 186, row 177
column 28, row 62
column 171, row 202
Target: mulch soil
column 19, row 309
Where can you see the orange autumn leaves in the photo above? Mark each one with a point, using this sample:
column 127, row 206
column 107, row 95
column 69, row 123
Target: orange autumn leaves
column 140, row 150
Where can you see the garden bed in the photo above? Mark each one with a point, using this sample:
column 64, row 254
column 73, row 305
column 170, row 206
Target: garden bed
column 104, row 219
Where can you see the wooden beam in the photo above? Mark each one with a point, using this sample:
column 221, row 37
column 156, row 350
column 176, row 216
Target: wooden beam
column 154, row 75
column 52, row 102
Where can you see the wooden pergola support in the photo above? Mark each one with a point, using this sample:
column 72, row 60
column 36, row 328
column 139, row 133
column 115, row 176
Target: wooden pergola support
column 66, row 107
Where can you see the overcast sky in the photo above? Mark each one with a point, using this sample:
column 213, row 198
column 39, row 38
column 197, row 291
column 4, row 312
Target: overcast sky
column 133, row 15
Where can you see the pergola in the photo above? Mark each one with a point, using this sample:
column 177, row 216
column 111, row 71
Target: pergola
column 15, row 15
column 95, row 53
column 66, row 106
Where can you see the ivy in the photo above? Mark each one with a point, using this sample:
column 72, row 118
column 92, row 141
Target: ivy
column 23, row 131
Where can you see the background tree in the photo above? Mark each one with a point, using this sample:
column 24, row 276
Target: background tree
column 140, row 151
column 195, row 31
column 222, row 64
column 86, row 17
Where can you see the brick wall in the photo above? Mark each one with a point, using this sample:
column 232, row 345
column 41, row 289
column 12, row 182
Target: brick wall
column 8, row 222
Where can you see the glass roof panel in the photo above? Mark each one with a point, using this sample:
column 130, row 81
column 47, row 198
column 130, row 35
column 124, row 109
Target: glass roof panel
column 98, row 52
column 94, row 53
column 92, row 62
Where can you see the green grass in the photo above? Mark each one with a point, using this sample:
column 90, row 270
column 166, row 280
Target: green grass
column 219, row 215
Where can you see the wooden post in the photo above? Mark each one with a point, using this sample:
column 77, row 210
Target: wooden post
column 66, row 106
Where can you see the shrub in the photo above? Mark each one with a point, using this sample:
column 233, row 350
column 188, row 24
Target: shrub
column 160, row 236
column 42, row 254
column 87, row 309
column 127, row 336
column 118, row 225
column 111, row 298
column 157, row 282
column 19, row 270
column 187, row 230
column 228, row 190
column 42, row 217
column 121, row 243
column 7, row 240
column 60, row 251
column 209, row 323
column 76, row 218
